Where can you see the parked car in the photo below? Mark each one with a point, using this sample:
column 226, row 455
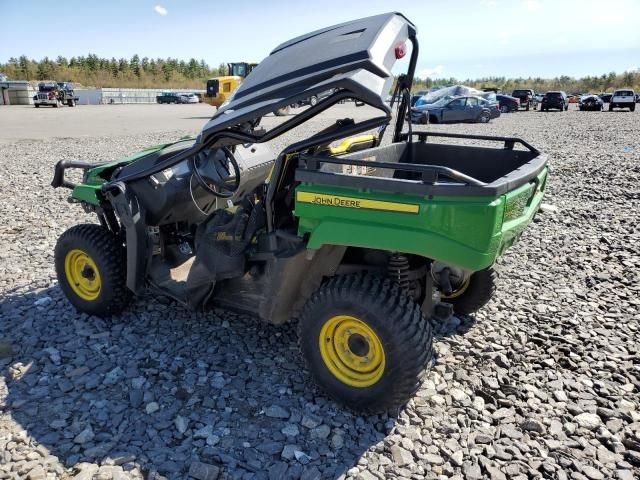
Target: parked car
column 313, row 99
column 507, row 103
column 623, row 98
column 556, row 100
column 590, row 102
column 170, row 97
column 527, row 98
column 637, row 97
column 606, row 97
column 452, row 110
column 492, row 104
column 417, row 95
column 190, row 97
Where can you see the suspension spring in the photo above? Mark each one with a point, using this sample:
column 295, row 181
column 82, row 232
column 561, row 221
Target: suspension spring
column 398, row 270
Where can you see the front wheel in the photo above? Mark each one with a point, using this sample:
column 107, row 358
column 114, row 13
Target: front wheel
column 472, row 292
column 313, row 101
column 632, row 108
column 365, row 342
column 91, row 269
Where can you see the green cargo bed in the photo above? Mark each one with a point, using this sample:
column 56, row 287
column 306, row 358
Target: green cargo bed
column 462, row 205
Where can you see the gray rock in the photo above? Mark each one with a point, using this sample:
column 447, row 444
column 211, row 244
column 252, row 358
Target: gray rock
column 290, row 430
column 277, row 471
column 401, row 456
column 472, row 471
column 321, row 431
column 590, row 421
column 152, row 407
column 181, row 424
column 311, row 473
column 276, row 411
column 532, row 425
column 203, row 471
column 84, row 436
column 592, row 473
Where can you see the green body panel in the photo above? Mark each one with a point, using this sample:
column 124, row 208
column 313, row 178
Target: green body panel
column 93, row 179
column 469, row 232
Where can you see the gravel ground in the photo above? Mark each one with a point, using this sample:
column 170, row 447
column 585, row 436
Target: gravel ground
column 541, row 383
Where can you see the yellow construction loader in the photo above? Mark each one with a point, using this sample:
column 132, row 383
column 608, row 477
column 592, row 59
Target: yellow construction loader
column 219, row 88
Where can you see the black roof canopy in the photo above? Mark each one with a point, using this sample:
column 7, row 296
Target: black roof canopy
column 356, row 56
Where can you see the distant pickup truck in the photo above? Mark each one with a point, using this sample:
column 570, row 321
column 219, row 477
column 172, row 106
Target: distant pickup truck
column 171, row 98
column 527, row 98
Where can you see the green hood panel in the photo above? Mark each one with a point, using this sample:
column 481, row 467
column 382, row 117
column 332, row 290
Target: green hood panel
column 87, row 191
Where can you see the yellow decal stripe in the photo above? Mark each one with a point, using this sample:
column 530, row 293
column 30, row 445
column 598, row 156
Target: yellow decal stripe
column 352, row 202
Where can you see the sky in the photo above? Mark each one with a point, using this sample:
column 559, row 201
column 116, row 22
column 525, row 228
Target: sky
column 461, row 39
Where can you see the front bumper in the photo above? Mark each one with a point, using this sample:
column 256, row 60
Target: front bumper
column 45, row 102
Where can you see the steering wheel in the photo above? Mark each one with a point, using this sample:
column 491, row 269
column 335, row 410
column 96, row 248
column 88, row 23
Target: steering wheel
column 211, row 169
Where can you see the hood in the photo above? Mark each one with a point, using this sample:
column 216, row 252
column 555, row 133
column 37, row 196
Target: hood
column 356, row 56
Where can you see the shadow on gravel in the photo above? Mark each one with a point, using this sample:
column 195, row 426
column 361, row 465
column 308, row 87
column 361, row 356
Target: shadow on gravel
column 160, row 388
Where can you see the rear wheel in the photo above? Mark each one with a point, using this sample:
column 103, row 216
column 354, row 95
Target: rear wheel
column 473, row 292
column 527, row 107
column 281, row 112
column 484, row 117
column 365, row 342
column 504, row 108
column 313, row 100
column 91, row 269
column 37, row 105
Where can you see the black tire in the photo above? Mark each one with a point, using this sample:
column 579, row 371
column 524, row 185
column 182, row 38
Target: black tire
column 527, row 107
column 479, row 290
column 566, row 107
column 109, row 257
column 504, row 109
column 632, row 108
column 313, row 101
column 71, row 103
column 484, row 117
column 37, row 105
column 610, row 108
column 281, row 112
column 399, row 327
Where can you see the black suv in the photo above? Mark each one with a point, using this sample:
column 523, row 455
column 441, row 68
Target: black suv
column 557, row 100
column 527, row 98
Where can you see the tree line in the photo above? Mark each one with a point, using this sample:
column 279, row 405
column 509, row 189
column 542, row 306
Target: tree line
column 134, row 72
column 145, row 72
column 594, row 84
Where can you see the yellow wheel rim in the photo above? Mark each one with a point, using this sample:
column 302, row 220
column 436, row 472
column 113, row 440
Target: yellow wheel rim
column 461, row 289
column 352, row 351
column 82, row 274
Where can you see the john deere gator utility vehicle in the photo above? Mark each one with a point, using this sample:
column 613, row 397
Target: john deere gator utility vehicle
column 355, row 243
